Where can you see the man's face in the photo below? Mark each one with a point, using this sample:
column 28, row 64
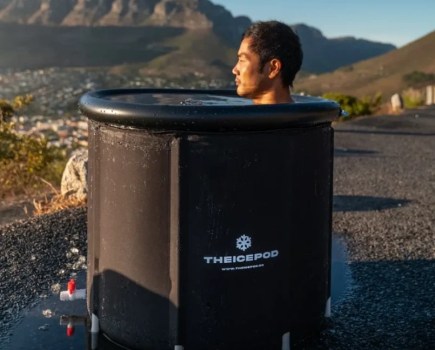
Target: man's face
column 250, row 81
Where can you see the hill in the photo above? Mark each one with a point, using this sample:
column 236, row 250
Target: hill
column 148, row 35
column 35, row 47
column 380, row 74
column 323, row 55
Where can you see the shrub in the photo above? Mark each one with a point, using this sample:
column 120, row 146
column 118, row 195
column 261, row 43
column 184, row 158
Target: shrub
column 354, row 106
column 25, row 162
column 413, row 98
column 8, row 108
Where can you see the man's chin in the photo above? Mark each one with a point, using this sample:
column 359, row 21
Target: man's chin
column 241, row 92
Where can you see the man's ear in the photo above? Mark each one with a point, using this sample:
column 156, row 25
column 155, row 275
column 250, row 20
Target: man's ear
column 275, row 66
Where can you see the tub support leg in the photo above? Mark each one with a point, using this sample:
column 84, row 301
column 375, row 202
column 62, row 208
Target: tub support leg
column 286, row 341
column 95, row 329
column 328, row 308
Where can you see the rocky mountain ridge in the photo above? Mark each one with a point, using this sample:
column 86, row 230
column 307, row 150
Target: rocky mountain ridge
column 104, row 12
column 88, row 31
column 189, row 14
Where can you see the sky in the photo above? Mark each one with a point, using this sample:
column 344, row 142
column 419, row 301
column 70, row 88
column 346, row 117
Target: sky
column 390, row 21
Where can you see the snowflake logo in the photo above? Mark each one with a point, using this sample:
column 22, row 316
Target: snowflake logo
column 243, row 242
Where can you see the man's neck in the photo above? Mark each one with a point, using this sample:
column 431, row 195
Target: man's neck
column 274, row 97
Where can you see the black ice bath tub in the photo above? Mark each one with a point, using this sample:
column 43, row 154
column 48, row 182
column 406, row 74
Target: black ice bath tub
column 209, row 218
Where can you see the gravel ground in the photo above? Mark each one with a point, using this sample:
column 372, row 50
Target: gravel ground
column 35, row 256
column 384, row 209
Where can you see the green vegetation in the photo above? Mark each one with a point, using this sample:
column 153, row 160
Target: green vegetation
column 26, row 163
column 417, row 78
column 413, row 98
column 355, row 106
column 410, row 102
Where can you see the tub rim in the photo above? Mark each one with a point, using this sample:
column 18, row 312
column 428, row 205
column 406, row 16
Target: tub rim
column 97, row 106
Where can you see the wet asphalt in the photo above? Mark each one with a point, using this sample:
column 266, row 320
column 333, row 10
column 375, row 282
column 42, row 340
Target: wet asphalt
column 384, row 211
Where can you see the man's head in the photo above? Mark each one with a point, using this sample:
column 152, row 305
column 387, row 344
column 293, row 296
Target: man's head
column 270, row 55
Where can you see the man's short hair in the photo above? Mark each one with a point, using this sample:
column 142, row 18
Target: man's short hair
column 274, row 39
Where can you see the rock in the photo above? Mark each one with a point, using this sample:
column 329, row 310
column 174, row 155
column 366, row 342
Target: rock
column 74, row 178
column 396, row 103
column 175, row 13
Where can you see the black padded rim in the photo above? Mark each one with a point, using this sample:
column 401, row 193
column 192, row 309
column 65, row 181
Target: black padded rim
column 98, row 106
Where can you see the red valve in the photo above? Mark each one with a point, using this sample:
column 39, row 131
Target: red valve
column 71, row 286
column 70, row 330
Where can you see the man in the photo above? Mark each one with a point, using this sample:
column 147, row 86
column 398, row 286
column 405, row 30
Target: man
column 269, row 57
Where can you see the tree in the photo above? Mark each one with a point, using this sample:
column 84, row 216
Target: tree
column 417, row 78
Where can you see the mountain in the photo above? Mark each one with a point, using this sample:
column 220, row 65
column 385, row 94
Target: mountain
column 324, row 55
column 149, row 34
column 188, row 14
column 103, row 12
column 384, row 73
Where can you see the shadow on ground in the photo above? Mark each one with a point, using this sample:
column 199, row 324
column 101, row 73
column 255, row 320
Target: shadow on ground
column 366, row 203
column 349, row 152
column 383, row 132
